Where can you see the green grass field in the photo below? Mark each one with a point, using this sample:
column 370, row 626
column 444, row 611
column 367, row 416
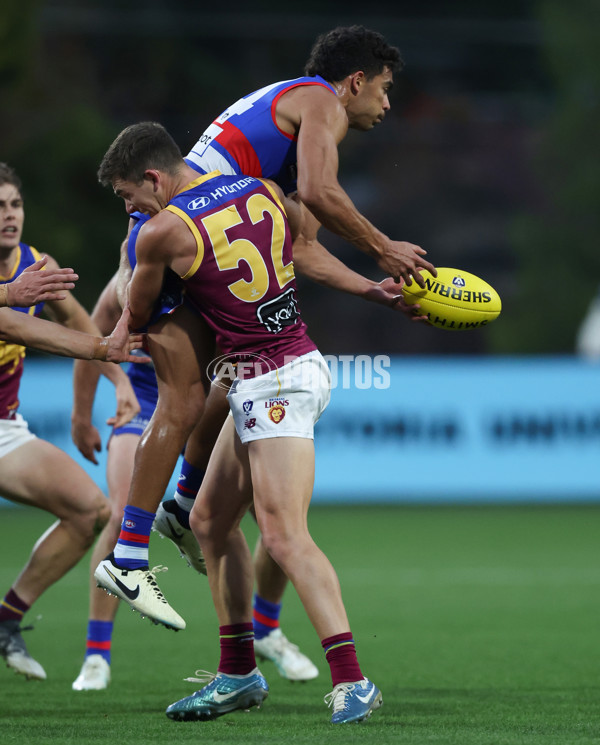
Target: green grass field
column 480, row 625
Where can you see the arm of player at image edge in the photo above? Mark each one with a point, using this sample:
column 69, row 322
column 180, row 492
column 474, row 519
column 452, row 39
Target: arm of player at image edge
column 18, row 328
column 36, row 284
column 314, row 261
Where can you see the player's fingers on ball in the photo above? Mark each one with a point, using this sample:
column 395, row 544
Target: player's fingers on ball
column 418, row 277
column 430, row 268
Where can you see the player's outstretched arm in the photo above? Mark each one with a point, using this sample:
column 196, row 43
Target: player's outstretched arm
column 323, row 126
column 71, row 314
column 46, row 336
column 36, row 285
column 314, row 261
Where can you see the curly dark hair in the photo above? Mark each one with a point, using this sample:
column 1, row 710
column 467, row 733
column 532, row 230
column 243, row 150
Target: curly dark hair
column 347, row 49
column 138, row 148
column 8, row 175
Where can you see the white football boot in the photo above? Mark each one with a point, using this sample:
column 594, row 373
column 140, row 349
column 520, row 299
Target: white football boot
column 168, row 526
column 138, row 588
column 94, row 675
column 14, row 651
column 288, row 659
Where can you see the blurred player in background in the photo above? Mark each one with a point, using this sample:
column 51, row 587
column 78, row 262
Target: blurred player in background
column 587, row 343
column 32, row 471
column 195, row 222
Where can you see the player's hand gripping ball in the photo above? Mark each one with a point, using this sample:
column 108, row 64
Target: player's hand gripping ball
column 454, row 300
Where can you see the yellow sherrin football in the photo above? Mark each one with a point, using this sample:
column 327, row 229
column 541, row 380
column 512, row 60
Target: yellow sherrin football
column 455, row 300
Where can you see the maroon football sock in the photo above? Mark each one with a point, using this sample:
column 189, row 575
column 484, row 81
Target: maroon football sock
column 341, row 656
column 237, row 649
column 12, row 608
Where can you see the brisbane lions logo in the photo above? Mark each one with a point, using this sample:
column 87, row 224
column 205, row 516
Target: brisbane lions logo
column 276, row 413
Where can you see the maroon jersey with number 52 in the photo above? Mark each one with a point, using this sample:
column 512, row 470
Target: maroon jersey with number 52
column 242, row 279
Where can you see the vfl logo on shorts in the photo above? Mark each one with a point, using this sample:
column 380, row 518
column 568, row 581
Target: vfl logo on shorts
column 276, row 413
column 280, row 312
column 247, row 406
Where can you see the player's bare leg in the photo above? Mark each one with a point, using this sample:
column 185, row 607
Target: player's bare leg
column 171, row 522
column 270, row 642
column 281, row 516
column 172, row 515
column 59, row 486
column 271, row 581
column 215, row 522
column 180, row 345
column 282, row 519
column 95, row 671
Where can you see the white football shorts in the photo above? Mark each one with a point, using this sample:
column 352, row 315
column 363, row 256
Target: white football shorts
column 13, row 433
column 286, row 402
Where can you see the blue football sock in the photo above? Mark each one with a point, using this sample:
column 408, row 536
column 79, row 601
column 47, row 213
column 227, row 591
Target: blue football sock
column 265, row 616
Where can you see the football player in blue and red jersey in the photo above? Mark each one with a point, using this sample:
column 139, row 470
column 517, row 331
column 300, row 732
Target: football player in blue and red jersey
column 290, row 132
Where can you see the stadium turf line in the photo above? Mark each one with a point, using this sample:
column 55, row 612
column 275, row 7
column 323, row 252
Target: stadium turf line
column 479, row 624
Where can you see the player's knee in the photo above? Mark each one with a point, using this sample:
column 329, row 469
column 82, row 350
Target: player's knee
column 104, row 514
column 175, row 417
column 276, row 545
column 94, row 519
column 199, row 525
column 210, row 529
column 285, row 545
column 191, row 415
